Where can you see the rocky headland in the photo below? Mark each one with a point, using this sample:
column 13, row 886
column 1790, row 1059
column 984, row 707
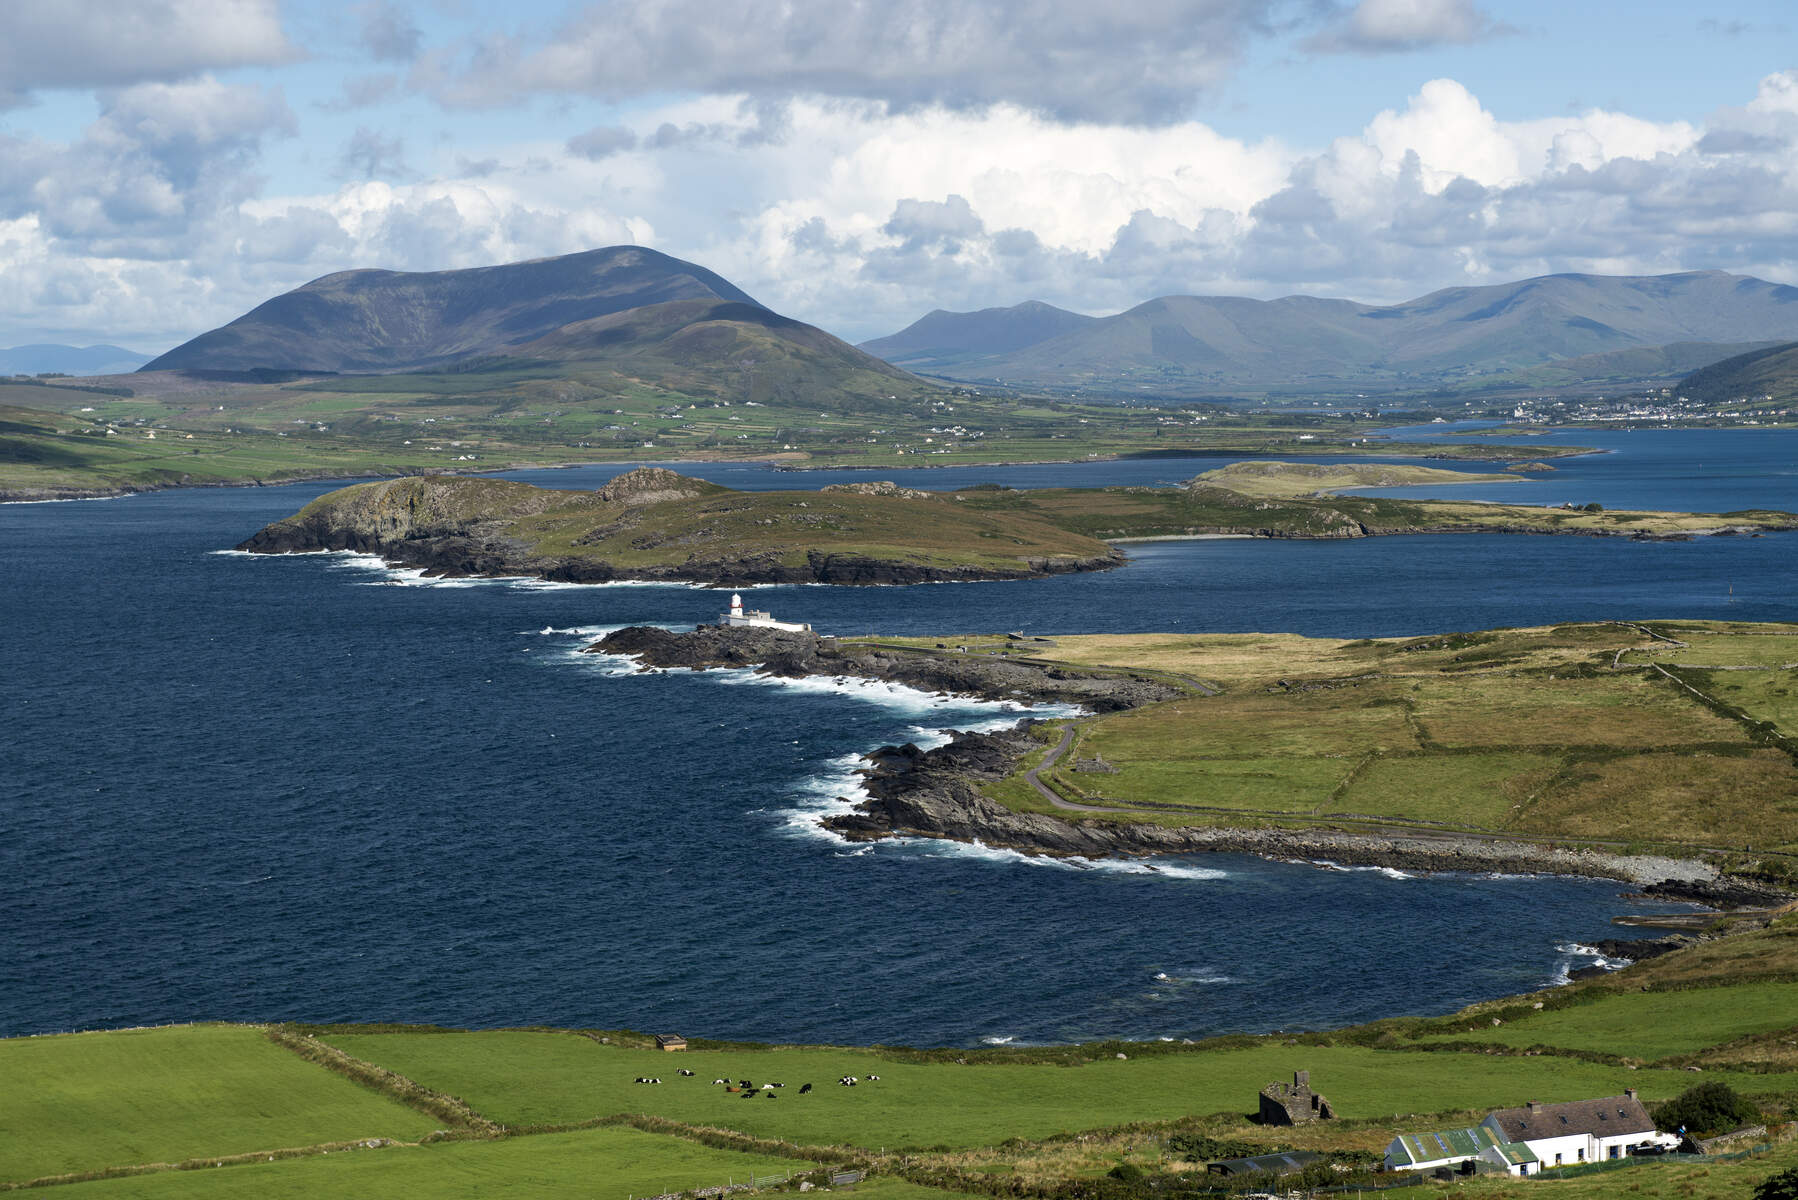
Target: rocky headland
column 912, row 792
column 792, row 655
column 656, row 525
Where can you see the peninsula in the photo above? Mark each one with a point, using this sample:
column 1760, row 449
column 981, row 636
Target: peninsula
column 654, row 524
column 1661, row 754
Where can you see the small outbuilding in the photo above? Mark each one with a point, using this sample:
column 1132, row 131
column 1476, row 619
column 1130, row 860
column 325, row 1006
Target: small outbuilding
column 670, row 1041
column 1269, row 1164
column 1294, row 1103
column 1467, row 1149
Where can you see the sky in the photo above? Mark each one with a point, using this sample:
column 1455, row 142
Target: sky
column 166, row 165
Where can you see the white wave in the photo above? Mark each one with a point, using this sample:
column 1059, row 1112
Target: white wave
column 998, row 1040
column 71, row 499
column 1388, row 872
column 1199, row 975
column 1571, row 953
column 590, row 632
column 964, row 712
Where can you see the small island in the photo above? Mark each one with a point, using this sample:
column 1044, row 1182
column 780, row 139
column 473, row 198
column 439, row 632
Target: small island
column 654, row 524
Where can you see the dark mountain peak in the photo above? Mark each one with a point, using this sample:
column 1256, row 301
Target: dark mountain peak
column 380, row 320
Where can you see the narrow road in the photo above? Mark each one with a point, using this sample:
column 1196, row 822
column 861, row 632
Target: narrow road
column 1047, row 792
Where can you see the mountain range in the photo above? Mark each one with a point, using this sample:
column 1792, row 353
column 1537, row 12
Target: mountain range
column 1463, row 338
column 632, row 315
column 42, row 358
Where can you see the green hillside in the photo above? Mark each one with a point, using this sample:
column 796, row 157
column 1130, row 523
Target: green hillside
column 1760, row 380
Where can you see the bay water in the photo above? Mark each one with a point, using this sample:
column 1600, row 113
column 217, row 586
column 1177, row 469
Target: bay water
column 310, row 787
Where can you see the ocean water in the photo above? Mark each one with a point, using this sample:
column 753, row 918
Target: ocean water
column 1684, row 470
column 309, row 787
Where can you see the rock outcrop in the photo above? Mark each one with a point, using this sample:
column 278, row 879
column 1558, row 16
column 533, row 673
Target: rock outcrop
column 794, row 655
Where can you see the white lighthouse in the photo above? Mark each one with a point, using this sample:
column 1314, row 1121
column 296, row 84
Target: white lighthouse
column 738, row 615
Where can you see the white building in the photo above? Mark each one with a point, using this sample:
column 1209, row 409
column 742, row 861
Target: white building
column 1451, row 1147
column 1580, row 1130
column 1535, row 1137
column 738, row 615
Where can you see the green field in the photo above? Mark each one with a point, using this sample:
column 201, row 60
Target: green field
column 88, row 1101
column 528, row 1079
column 243, row 1114
column 1565, row 733
column 609, row 1164
column 1651, row 1026
column 60, row 439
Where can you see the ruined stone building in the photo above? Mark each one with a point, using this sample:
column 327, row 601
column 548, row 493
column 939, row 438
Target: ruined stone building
column 1294, row 1103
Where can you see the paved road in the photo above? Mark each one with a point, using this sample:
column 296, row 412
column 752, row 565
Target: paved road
column 1047, row 792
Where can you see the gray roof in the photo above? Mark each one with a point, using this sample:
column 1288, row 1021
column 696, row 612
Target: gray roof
column 1611, row 1116
column 1279, row 1164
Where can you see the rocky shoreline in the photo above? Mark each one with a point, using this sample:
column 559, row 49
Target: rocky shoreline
column 911, row 792
column 655, row 526
column 463, row 557
column 792, row 655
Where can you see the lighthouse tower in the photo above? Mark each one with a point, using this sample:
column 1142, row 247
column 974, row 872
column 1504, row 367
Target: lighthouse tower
column 738, row 615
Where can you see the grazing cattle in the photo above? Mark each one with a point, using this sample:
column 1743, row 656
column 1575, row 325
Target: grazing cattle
column 686, row 1073
column 873, row 1079
column 750, row 1095
column 804, row 1088
column 723, row 1081
column 772, row 1096
column 744, row 1083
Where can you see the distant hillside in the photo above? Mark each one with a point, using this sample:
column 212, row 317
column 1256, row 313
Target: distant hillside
column 47, row 357
column 1760, row 376
column 1460, row 338
column 941, row 339
column 362, row 321
column 625, row 313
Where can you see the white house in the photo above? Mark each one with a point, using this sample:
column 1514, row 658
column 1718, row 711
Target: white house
column 1451, row 1147
column 1580, row 1130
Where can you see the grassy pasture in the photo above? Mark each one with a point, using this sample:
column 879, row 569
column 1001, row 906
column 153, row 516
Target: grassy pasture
column 85, row 1101
column 1763, row 695
column 611, row 1164
column 1624, row 711
column 525, row 1079
column 1735, row 800
column 1533, row 732
column 1481, row 790
column 1643, row 1180
column 1650, row 1026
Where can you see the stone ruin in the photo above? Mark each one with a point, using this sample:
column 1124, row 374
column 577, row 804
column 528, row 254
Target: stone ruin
column 1294, row 1103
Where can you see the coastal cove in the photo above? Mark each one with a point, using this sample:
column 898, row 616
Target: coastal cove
column 416, row 797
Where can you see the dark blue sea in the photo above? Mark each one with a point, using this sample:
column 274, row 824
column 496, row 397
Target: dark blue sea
column 258, row 788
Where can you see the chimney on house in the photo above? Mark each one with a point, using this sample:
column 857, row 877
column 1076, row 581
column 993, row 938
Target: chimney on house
column 1630, row 1092
column 1534, row 1107
column 1301, row 1079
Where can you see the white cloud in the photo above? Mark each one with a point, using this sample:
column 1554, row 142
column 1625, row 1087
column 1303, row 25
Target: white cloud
column 1386, row 26
column 1130, row 60
column 107, row 43
column 859, row 218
